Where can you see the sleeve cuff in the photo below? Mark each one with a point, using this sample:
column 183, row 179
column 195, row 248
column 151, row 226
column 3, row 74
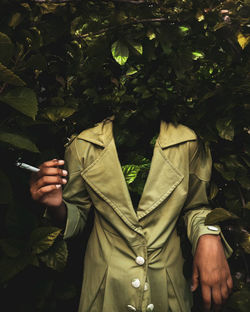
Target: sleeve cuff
column 73, row 218
column 212, row 230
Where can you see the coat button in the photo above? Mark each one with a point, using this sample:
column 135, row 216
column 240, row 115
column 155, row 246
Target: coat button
column 212, row 228
column 140, row 260
column 150, row 307
column 136, row 283
column 131, row 308
column 146, row 286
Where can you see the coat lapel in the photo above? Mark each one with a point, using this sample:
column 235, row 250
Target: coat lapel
column 106, row 178
column 163, row 177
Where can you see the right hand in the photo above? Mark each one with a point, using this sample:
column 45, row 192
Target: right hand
column 46, row 185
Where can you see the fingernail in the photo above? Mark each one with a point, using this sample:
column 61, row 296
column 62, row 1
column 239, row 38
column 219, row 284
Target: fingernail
column 58, row 185
column 64, row 181
column 64, row 172
column 60, row 162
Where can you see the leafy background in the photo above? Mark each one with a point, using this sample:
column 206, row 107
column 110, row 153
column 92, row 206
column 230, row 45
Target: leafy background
column 65, row 65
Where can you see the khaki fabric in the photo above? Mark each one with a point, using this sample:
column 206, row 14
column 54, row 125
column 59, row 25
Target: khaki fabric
column 113, row 280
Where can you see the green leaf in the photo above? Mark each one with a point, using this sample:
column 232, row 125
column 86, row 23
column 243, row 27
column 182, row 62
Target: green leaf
column 131, row 71
column 66, row 291
column 15, row 20
column 247, row 205
column 18, row 141
column 56, row 256
column 213, row 191
column 120, row 52
column 225, row 129
column 6, row 75
column 196, row 55
column 43, row 238
column 9, row 267
column 240, row 301
column 6, row 48
column 137, row 46
column 243, row 41
column 58, row 113
column 22, row 99
column 218, row 215
column 184, row 29
column 245, row 243
column 130, row 172
column 227, row 174
column 151, row 34
column 12, row 247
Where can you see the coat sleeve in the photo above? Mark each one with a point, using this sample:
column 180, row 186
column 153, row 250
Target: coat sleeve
column 75, row 195
column 197, row 206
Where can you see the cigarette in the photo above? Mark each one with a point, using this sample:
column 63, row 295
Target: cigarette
column 27, row 167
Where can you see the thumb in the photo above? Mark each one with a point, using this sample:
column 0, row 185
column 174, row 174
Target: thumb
column 195, row 279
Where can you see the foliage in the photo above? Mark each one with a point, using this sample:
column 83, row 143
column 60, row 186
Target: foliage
column 68, row 64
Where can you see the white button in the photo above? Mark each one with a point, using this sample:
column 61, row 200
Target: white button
column 131, row 308
column 146, row 286
column 150, row 307
column 212, row 228
column 140, row 260
column 136, row 283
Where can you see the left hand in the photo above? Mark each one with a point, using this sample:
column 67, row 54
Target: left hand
column 211, row 270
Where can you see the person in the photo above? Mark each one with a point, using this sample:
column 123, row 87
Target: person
column 133, row 260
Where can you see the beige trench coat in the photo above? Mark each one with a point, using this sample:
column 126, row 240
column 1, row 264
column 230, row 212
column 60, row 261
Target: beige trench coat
column 133, row 260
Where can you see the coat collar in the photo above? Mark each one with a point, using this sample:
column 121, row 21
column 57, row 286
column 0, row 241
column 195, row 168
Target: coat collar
column 169, row 135
column 163, row 177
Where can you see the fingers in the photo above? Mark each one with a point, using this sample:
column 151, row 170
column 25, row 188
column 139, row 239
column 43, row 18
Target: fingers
column 217, row 298
column 52, row 163
column 230, row 283
column 49, row 168
column 206, row 295
column 49, row 174
column 47, row 180
column 195, row 278
column 52, row 171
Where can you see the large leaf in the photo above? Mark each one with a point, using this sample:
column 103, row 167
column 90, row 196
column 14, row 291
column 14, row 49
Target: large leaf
column 130, row 172
column 12, row 247
column 56, row 256
column 6, row 48
column 240, row 301
column 225, row 129
column 6, row 75
column 23, row 100
column 18, row 141
column 120, row 52
column 218, row 215
column 245, row 244
column 43, row 238
column 9, row 267
column 58, row 113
